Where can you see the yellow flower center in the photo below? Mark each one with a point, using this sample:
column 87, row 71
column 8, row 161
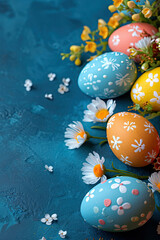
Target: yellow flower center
column 158, row 185
column 81, row 134
column 101, row 114
column 97, row 170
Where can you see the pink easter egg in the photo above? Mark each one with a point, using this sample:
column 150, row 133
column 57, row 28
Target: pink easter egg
column 125, row 37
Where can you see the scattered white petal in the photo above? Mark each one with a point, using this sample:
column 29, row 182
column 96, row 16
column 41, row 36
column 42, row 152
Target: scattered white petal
column 48, row 96
column 49, row 168
column 62, row 233
column 28, row 84
column 66, row 81
column 43, row 238
column 54, row 217
column 51, row 76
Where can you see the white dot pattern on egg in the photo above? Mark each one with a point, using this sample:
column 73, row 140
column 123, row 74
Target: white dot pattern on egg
column 124, row 204
column 108, row 76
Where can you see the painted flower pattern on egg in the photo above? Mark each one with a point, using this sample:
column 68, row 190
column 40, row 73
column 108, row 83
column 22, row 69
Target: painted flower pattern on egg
column 108, row 76
column 135, row 142
column 134, row 31
column 129, row 205
column 147, row 89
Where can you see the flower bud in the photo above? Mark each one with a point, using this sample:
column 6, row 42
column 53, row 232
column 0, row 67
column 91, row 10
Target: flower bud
column 131, row 4
column 72, row 57
column 75, row 48
column 145, row 66
column 112, row 8
column 77, row 62
column 136, row 17
column 147, row 12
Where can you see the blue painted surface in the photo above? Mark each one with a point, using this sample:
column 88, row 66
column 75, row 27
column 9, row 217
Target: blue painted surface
column 33, row 34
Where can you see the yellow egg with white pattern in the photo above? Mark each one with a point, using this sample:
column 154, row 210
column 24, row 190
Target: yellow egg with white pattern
column 147, row 89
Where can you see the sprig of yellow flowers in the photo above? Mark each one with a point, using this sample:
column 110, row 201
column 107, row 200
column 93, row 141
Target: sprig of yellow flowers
column 95, row 42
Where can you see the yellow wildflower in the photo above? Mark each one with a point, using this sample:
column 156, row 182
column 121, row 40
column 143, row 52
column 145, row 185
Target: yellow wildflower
column 136, row 17
column 75, row 48
column 85, row 34
column 91, row 58
column 90, row 47
column 113, row 22
column 72, row 57
column 117, row 3
column 117, row 16
column 147, row 12
column 77, row 62
column 103, row 32
column 101, row 23
column 112, row 8
column 131, row 4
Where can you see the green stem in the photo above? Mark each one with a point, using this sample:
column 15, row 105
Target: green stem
column 103, row 142
column 125, row 173
column 98, row 127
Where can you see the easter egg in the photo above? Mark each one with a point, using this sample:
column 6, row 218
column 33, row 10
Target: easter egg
column 108, row 76
column 119, row 204
column 147, row 89
column 133, row 139
column 125, row 37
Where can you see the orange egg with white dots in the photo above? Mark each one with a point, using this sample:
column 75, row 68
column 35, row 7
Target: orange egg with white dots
column 133, row 139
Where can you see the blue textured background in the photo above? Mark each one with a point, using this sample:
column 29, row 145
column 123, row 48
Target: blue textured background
column 32, row 36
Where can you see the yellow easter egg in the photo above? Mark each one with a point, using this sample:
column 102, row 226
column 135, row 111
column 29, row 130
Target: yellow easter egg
column 147, row 89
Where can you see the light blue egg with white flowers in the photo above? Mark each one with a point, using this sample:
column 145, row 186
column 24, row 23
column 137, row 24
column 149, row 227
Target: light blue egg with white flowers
column 119, row 204
column 108, row 76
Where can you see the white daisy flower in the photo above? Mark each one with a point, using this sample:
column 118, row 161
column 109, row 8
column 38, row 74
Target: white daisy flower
column 154, row 180
column 51, row 76
column 66, row 81
column 49, row 168
column 93, row 170
column 28, row 84
column 99, row 111
column 47, row 219
column 62, row 89
column 62, row 233
column 144, row 43
column 76, row 134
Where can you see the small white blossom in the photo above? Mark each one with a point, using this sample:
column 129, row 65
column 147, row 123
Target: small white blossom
column 66, row 81
column 28, row 84
column 54, row 217
column 51, row 76
column 62, row 233
column 49, row 168
column 47, row 219
column 62, row 89
column 48, row 96
column 43, row 238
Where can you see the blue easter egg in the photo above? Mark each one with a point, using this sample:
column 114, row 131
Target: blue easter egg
column 108, row 76
column 118, row 204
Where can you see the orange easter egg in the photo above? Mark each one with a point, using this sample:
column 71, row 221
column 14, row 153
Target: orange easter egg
column 133, row 139
column 125, row 37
